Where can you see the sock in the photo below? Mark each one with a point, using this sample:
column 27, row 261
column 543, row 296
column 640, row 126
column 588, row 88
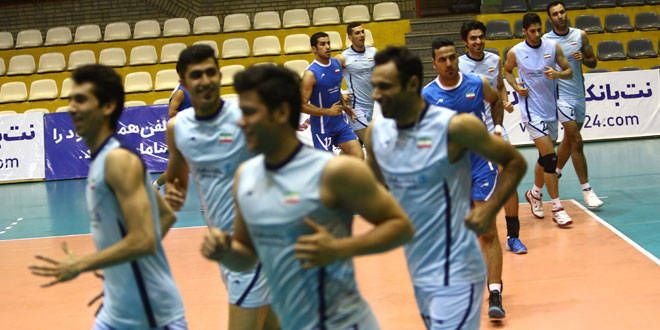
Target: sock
column 536, row 191
column 512, row 226
column 558, row 171
column 495, row 287
column 556, row 204
column 586, row 186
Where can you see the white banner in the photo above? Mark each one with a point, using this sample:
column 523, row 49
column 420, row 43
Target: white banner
column 619, row 104
column 22, row 147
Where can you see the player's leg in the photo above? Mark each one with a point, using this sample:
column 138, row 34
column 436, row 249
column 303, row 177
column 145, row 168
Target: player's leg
column 241, row 318
column 580, row 162
column 249, row 299
column 360, row 124
column 566, row 114
column 537, row 130
column 348, row 142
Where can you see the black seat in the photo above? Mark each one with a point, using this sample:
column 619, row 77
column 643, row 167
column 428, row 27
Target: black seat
column 601, row 3
column 630, row 68
column 598, row 70
column 575, row 4
column 647, row 21
column 513, row 6
column 611, row 50
column 492, row 50
column 641, row 48
column 538, row 5
column 517, row 29
column 617, row 23
column 624, row 3
column 498, row 29
column 589, row 23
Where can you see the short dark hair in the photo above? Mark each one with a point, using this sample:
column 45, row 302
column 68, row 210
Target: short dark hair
column 275, row 85
column 314, row 39
column 350, row 26
column 439, row 43
column 107, row 86
column 529, row 19
column 471, row 25
column 407, row 63
column 552, row 4
column 193, row 55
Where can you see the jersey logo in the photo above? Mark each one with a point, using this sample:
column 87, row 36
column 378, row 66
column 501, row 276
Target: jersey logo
column 226, row 138
column 546, row 56
column 470, row 95
column 291, row 198
column 336, row 70
column 439, row 101
column 322, row 75
column 423, row 143
column 491, row 69
column 574, row 43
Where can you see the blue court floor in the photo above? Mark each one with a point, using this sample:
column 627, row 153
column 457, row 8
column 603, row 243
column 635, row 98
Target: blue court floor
column 627, row 173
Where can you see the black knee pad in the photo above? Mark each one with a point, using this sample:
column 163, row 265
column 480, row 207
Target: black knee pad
column 548, row 162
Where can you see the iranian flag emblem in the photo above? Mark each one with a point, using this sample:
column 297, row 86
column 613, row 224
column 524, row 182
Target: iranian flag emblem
column 226, row 138
column 291, row 198
column 546, row 56
column 470, row 95
column 423, row 143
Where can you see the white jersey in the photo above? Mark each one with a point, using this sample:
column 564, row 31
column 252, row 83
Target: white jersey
column 435, row 193
column 274, row 202
column 570, row 90
column 541, row 102
column 489, row 68
column 357, row 73
column 213, row 148
column 140, row 294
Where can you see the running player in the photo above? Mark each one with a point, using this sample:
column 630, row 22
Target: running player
column 139, row 291
column 571, row 104
column 469, row 93
column 322, row 100
column 358, row 62
column 420, row 149
column 294, row 210
column 206, row 141
column 536, row 60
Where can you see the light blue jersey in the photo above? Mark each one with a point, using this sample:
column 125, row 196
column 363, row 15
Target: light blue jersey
column 140, row 294
column 214, row 148
column 488, row 67
column 357, row 73
column 570, row 90
column 541, row 102
column 436, row 195
column 274, row 202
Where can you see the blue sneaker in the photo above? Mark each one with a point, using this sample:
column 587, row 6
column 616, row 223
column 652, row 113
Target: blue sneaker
column 515, row 245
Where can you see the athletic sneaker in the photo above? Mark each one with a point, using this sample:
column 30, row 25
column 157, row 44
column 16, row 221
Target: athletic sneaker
column 515, row 245
column 495, row 310
column 561, row 217
column 535, row 203
column 591, row 199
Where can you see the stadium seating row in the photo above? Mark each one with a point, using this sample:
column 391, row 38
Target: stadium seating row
column 201, row 25
column 512, row 6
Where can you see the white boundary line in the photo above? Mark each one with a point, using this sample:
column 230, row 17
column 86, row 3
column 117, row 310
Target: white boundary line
column 617, row 232
column 76, row 235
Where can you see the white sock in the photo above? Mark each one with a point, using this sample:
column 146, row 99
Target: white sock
column 495, row 287
column 536, row 191
column 558, row 171
column 556, row 203
column 586, row 186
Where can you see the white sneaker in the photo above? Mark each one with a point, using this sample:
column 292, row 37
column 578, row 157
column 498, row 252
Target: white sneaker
column 560, row 217
column 591, row 199
column 536, row 204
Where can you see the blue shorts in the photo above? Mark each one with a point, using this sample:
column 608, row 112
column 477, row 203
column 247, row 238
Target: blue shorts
column 451, row 307
column 332, row 138
column 483, row 184
column 179, row 324
column 246, row 289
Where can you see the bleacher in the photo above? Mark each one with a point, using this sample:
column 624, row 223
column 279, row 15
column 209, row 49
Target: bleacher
column 34, row 71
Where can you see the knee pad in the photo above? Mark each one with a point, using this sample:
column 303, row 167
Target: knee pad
column 548, row 162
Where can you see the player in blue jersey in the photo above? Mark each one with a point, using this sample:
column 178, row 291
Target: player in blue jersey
column 358, row 62
column 322, row 100
column 294, row 211
column 536, row 60
column 421, row 152
column 469, row 93
column 206, row 142
column 128, row 219
column 571, row 103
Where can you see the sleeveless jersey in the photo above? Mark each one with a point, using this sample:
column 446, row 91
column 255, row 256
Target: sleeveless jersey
column 213, row 148
column 571, row 89
column 466, row 97
column 139, row 294
column 326, row 92
column 436, row 195
column 489, row 68
column 274, row 203
column 357, row 73
column 186, row 98
column 541, row 102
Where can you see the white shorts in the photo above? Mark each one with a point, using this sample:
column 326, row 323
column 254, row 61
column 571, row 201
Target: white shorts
column 362, row 119
column 246, row 289
column 451, row 307
column 539, row 128
column 179, row 324
column 571, row 110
